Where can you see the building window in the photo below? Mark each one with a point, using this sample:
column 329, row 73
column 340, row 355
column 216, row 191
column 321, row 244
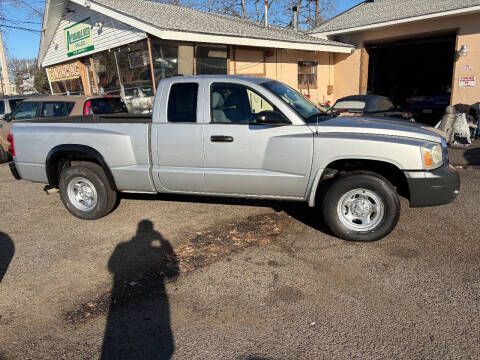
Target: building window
column 211, row 60
column 307, row 75
column 134, row 65
column 68, row 87
column 106, row 69
column 166, row 60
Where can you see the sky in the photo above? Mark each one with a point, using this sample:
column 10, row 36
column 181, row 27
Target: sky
column 24, row 44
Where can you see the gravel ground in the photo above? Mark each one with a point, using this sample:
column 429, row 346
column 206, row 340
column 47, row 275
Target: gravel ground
column 469, row 156
column 220, row 279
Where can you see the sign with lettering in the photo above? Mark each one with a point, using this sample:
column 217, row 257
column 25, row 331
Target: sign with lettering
column 78, row 38
column 64, row 72
column 468, row 81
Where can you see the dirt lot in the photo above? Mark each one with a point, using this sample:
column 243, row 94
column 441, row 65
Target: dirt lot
column 218, row 279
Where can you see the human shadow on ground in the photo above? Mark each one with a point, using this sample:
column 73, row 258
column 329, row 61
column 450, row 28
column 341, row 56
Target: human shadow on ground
column 300, row 211
column 138, row 323
column 7, row 250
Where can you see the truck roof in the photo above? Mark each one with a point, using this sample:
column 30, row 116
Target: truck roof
column 254, row 79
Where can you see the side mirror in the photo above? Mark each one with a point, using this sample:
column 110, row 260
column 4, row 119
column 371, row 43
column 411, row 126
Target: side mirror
column 8, row 117
column 272, row 118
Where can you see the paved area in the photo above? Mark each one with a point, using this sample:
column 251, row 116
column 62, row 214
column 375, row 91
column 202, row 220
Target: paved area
column 469, row 156
column 218, row 279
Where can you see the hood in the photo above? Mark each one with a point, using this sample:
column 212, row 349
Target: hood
column 380, row 126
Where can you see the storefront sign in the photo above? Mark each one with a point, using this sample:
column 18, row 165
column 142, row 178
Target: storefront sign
column 78, row 38
column 64, row 72
column 468, row 81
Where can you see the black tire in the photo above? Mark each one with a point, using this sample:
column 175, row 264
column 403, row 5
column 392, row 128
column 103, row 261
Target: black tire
column 374, row 183
column 106, row 197
column 3, row 156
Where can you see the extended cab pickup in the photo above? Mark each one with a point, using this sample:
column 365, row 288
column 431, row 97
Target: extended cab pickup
column 240, row 137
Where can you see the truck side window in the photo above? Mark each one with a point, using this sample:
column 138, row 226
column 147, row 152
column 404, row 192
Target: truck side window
column 54, row 109
column 237, row 104
column 182, row 103
column 27, row 110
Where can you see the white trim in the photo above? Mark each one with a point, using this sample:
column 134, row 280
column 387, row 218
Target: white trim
column 208, row 38
column 464, row 11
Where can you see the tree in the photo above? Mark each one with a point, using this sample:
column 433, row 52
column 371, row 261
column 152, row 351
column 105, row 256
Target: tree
column 40, row 82
column 21, row 73
column 310, row 12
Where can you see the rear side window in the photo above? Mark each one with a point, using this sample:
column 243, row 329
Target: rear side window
column 182, row 103
column 385, row 105
column 14, row 103
column 57, row 109
column 2, row 107
column 108, row 106
column 27, row 110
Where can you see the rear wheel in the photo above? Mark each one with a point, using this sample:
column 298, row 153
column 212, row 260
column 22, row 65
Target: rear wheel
column 361, row 206
column 86, row 192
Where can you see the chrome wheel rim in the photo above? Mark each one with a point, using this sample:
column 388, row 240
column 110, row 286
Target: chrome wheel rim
column 361, row 210
column 82, row 194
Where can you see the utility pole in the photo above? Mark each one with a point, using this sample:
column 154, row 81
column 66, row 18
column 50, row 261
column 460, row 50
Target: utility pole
column 4, row 67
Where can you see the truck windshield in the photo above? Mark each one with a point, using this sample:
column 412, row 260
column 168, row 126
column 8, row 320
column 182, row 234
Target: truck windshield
column 304, row 107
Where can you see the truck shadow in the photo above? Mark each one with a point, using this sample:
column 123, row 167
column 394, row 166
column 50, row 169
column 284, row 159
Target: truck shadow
column 7, row 250
column 138, row 322
column 472, row 156
column 300, row 211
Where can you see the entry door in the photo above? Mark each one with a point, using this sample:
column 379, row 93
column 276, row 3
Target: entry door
column 245, row 158
column 179, row 139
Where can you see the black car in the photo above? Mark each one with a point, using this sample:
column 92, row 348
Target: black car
column 373, row 105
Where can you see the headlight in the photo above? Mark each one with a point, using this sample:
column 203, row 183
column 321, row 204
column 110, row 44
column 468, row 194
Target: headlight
column 432, row 156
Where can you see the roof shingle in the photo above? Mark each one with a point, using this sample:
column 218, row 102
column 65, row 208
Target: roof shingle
column 179, row 18
column 380, row 11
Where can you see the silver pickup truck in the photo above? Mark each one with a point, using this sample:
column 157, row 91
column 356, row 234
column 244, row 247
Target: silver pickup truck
column 240, row 137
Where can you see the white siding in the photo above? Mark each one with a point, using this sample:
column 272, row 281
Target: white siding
column 113, row 34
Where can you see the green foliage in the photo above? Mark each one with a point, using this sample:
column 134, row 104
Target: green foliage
column 41, row 82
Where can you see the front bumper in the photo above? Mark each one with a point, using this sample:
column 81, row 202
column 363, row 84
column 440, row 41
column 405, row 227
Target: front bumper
column 14, row 170
column 433, row 188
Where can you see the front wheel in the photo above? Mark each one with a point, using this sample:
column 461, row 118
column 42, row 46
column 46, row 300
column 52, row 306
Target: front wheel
column 85, row 191
column 361, row 206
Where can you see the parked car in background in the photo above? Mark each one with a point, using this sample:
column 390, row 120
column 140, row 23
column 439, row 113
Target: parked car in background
column 372, row 105
column 9, row 103
column 241, row 137
column 428, row 109
column 57, row 106
column 138, row 99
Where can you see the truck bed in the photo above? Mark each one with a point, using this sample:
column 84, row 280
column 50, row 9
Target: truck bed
column 122, row 141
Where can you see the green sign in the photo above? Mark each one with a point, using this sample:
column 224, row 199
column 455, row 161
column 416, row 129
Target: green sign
column 78, row 38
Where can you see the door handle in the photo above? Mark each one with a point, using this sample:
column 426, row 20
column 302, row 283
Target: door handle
column 221, row 138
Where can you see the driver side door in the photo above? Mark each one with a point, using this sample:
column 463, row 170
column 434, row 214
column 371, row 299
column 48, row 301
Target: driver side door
column 248, row 159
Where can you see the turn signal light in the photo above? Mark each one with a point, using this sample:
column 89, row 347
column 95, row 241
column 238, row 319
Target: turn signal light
column 11, row 147
column 427, row 158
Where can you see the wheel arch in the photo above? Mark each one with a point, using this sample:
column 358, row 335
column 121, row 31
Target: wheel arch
column 61, row 155
column 389, row 170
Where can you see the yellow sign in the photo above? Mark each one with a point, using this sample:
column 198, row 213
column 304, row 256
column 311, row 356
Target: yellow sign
column 78, row 38
column 64, row 72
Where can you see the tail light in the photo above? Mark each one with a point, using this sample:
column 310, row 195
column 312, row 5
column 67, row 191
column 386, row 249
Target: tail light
column 11, row 147
column 87, row 109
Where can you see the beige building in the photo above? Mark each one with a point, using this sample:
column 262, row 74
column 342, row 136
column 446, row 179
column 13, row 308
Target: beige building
column 125, row 47
column 406, row 48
